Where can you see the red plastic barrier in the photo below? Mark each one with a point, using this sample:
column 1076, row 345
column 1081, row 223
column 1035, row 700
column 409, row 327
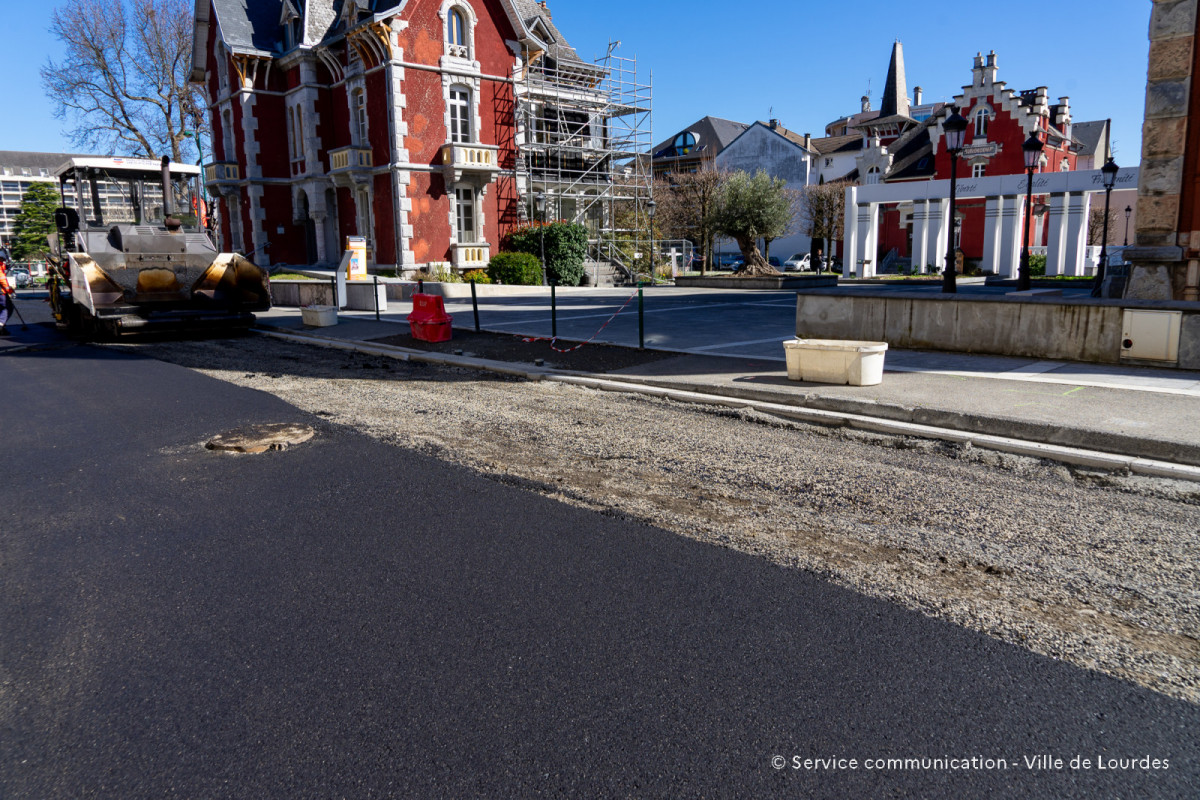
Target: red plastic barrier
column 429, row 320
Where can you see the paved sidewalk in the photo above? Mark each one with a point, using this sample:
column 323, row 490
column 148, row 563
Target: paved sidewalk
column 1132, row 411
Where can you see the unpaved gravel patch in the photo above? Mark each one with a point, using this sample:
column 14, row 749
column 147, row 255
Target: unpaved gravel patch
column 1098, row 569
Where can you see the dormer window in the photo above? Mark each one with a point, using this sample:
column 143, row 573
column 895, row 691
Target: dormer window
column 685, row 143
column 458, row 37
column 289, row 18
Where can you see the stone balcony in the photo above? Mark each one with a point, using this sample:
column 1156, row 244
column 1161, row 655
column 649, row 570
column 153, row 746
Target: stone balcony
column 221, row 172
column 349, row 158
column 477, row 162
column 471, row 256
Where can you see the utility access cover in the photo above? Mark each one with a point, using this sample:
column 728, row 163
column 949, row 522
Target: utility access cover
column 261, row 438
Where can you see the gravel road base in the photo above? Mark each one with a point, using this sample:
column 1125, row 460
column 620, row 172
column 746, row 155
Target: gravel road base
column 1099, row 569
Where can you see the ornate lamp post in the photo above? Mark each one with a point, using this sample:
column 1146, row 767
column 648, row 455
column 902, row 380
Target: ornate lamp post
column 1108, row 173
column 1033, row 154
column 539, row 200
column 955, row 128
column 1128, row 211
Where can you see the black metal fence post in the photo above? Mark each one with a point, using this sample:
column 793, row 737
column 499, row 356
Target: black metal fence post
column 377, row 298
column 641, row 319
column 333, row 283
column 553, row 313
column 475, row 305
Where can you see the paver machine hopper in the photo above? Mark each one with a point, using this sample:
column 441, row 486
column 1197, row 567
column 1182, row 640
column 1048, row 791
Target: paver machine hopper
column 133, row 253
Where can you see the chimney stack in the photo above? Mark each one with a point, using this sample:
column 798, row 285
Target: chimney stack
column 774, row 124
column 917, row 95
column 807, row 141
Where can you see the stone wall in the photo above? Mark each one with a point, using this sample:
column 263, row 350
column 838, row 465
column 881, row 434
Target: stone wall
column 1087, row 331
column 1164, row 258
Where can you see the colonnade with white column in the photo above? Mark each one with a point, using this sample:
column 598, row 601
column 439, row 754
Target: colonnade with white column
column 1066, row 220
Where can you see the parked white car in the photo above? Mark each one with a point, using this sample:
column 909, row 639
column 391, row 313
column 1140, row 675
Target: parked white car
column 801, row 262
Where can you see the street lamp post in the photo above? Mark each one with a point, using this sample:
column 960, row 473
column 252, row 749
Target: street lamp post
column 1108, row 173
column 540, row 200
column 955, row 128
column 1128, row 211
column 650, row 207
column 1033, row 154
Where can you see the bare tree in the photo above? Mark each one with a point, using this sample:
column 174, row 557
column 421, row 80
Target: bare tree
column 687, row 208
column 1095, row 235
column 122, row 80
column 822, row 212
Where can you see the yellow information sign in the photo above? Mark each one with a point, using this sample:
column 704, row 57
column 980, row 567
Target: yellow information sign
column 356, row 248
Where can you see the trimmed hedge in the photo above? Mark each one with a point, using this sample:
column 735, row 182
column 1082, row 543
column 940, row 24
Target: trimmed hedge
column 566, row 246
column 515, row 269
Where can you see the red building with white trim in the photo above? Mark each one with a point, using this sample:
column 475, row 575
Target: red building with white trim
column 376, row 118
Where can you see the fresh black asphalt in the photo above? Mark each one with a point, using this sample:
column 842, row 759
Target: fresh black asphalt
column 351, row 619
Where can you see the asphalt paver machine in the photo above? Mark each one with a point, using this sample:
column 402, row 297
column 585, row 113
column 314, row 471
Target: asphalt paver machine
column 132, row 253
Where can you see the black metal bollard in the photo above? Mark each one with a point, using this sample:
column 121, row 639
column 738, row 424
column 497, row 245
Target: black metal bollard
column 553, row 313
column 420, row 286
column 641, row 319
column 475, row 305
column 376, row 298
column 333, row 283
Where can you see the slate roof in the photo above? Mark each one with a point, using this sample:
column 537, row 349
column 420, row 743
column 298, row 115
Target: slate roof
column 250, row 25
column 1089, row 136
column 895, row 89
column 713, row 134
column 321, row 19
column 530, row 13
column 828, row 145
column 913, row 158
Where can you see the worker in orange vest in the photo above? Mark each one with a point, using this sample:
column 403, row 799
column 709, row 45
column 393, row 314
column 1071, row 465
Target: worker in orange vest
column 6, row 296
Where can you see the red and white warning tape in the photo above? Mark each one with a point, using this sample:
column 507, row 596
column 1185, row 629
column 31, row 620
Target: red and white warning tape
column 554, row 339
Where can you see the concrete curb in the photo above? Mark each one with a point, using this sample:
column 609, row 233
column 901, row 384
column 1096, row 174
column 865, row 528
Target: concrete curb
column 1032, row 446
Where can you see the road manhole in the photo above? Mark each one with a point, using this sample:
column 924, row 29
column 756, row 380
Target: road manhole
column 261, row 438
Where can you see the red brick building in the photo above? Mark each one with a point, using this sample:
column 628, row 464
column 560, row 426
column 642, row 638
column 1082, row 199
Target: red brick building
column 902, row 149
column 376, row 118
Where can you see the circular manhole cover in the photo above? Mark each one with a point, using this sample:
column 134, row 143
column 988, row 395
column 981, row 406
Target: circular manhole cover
column 261, row 438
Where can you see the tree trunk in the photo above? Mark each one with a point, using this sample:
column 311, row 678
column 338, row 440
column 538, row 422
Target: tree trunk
column 755, row 264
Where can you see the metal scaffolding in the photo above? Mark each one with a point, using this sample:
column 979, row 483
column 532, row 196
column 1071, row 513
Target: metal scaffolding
column 583, row 134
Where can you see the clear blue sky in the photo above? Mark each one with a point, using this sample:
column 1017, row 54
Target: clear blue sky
column 808, row 61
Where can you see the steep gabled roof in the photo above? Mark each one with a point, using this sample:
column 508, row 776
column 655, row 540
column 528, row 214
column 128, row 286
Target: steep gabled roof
column 249, row 26
column 1090, row 137
column 713, row 135
column 538, row 24
column 895, row 90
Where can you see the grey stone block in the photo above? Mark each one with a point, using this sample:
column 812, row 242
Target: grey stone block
column 1189, row 342
column 1167, row 99
column 1169, row 20
column 1162, row 175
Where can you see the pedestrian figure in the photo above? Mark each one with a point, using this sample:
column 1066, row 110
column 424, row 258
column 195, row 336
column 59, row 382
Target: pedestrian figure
column 6, row 296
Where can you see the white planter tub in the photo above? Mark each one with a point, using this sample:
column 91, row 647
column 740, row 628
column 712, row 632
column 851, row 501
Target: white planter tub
column 835, row 361
column 319, row 316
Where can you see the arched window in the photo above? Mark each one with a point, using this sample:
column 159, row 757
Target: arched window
column 460, row 114
column 981, row 123
column 873, row 175
column 458, row 40
column 685, row 143
column 455, row 33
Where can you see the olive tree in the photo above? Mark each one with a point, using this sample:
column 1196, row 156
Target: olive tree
column 753, row 208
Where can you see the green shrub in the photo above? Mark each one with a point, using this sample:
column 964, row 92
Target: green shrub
column 476, row 275
column 565, row 246
column 515, row 269
column 1037, row 265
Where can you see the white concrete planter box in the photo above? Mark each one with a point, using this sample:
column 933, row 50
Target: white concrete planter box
column 319, row 316
column 835, row 361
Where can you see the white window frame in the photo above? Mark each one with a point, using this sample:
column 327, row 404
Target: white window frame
column 978, row 169
column 981, row 119
column 464, row 52
column 874, row 176
column 358, row 116
column 461, row 114
column 466, row 204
